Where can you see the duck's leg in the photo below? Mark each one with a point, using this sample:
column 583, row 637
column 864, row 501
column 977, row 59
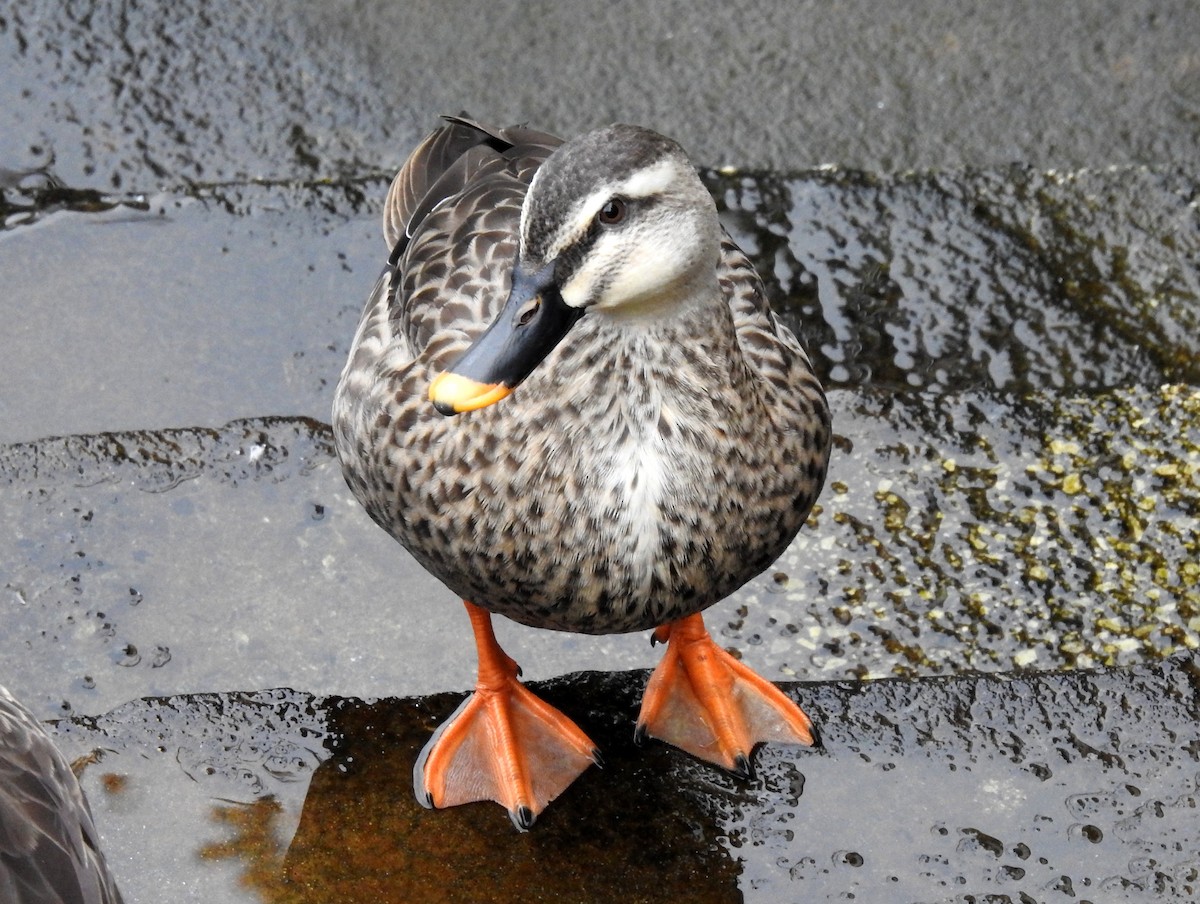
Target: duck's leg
column 703, row 701
column 503, row 743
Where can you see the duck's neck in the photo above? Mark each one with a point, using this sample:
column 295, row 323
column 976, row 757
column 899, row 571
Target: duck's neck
column 688, row 351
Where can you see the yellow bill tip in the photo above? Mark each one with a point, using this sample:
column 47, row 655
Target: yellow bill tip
column 453, row 393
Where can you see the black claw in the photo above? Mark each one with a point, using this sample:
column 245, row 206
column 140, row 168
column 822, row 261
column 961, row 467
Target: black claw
column 523, row 818
column 640, row 734
column 742, row 768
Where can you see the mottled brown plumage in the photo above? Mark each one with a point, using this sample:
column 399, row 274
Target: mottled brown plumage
column 49, row 846
column 524, row 507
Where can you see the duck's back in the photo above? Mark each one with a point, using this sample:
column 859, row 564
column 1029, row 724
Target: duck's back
column 450, row 223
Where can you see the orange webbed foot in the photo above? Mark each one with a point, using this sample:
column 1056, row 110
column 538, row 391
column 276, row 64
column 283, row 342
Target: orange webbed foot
column 503, row 743
column 703, row 701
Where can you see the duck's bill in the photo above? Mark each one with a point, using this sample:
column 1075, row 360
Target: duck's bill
column 534, row 320
column 453, row 393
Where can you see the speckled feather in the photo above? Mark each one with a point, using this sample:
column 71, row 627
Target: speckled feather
column 49, row 850
column 637, row 476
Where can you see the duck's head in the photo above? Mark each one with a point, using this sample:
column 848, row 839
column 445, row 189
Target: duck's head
column 615, row 221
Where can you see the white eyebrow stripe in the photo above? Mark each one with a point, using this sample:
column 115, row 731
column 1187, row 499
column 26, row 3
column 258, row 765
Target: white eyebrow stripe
column 652, row 180
column 644, row 183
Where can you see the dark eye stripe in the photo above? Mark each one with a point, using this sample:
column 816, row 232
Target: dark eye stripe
column 573, row 254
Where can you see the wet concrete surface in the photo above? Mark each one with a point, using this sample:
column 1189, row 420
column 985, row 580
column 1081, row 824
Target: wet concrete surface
column 135, row 96
column 190, row 201
column 1076, row 786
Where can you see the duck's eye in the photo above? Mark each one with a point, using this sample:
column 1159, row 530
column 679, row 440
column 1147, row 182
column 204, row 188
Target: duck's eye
column 527, row 315
column 612, row 213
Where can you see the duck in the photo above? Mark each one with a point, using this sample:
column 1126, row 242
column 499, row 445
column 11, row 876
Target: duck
column 569, row 399
column 49, row 847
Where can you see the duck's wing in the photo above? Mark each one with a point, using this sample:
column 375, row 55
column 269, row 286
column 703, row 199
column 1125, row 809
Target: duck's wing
column 454, row 211
column 449, row 159
column 773, row 352
column 766, row 342
column 451, row 221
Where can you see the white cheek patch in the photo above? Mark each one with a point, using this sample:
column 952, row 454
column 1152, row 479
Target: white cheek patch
column 626, row 270
column 647, row 268
column 577, row 290
column 653, row 270
column 627, row 267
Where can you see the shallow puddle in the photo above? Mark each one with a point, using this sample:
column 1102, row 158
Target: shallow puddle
column 1052, row 787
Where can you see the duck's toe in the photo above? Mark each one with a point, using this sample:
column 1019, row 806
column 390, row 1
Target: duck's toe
column 703, row 701
column 503, row 744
